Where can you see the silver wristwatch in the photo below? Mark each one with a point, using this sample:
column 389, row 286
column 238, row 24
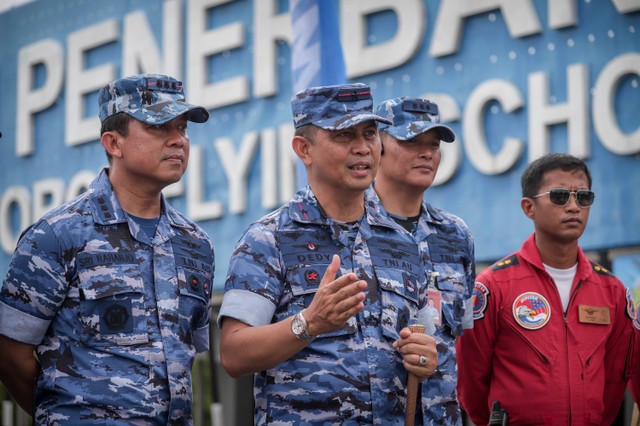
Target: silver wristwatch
column 299, row 327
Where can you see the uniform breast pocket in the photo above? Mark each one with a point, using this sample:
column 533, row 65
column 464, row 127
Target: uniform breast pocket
column 195, row 292
column 450, row 279
column 399, row 298
column 304, row 282
column 112, row 306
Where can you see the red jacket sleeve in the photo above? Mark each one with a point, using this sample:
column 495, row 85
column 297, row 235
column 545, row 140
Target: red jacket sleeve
column 634, row 383
column 475, row 353
column 621, row 359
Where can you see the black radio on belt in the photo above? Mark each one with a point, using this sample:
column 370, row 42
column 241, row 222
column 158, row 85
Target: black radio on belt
column 498, row 415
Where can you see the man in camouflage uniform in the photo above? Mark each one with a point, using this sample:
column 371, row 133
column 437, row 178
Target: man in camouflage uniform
column 320, row 292
column 410, row 160
column 112, row 290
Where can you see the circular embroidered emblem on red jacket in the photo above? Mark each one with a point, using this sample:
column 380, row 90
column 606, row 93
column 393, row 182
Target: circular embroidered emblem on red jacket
column 531, row 310
column 479, row 295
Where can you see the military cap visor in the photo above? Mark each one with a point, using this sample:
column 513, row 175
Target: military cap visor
column 415, row 128
column 347, row 120
column 164, row 112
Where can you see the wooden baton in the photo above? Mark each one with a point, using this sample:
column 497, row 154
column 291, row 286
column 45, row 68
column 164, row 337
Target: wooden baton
column 412, row 386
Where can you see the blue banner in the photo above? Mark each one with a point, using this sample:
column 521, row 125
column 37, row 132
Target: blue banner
column 514, row 79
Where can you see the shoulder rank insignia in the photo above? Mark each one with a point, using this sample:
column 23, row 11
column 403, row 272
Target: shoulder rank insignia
column 601, row 269
column 505, row 263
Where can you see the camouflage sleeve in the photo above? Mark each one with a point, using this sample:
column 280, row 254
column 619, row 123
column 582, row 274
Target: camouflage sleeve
column 255, row 281
column 201, row 334
column 467, row 319
column 201, row 339
column 34, row 287
column 470, row 271
column 475, row 352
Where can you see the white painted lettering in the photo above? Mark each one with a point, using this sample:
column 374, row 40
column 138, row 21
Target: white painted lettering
column 360, row 57
column 237, row 167
column 575, row 112
column 197, row 209
column 31, row 100
column 478, row 153
column 626, row 6
column 268, row 166
column 520, row 17
column 78, row 127
column 562, row 13
column 202, row 44
column 604, row 114
column 18, row 197
column 287, row 162
column 141, row 53
column 268, row 28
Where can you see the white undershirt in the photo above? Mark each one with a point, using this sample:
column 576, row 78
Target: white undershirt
column 563, row 279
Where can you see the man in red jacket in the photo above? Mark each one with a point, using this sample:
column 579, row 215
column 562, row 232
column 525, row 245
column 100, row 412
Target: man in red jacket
column 553, row 334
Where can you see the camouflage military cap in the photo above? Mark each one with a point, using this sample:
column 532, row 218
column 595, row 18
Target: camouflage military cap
column 150, row 98
column 334, row 107
column 411, row 117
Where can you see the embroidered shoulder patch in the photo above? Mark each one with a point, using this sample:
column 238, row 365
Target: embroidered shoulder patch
column 505, row 263
column 480, row 300
column 631, row 307
column 636, row 321
column 601, row 269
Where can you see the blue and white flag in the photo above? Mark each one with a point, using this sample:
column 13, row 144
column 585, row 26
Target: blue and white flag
column 316, row 52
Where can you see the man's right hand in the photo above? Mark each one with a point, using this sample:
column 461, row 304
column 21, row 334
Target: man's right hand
column 246, row 349
column 336, row 300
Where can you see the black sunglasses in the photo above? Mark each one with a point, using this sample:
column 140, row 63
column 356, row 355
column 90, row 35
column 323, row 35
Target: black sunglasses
column 560, row 196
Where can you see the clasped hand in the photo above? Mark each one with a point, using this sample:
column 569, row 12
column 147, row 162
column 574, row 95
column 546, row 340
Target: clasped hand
column 413, row 347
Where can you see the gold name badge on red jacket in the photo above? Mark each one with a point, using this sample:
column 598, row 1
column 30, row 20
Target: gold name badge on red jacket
column 594, row 314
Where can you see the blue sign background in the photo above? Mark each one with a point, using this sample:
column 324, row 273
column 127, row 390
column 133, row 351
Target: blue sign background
column 489, row 204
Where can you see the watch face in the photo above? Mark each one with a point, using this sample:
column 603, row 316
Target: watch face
column 297, row 327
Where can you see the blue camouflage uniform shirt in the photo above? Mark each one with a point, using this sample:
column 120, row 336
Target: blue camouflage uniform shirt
column 447, row 253
column 116, row 317
column 352, row 375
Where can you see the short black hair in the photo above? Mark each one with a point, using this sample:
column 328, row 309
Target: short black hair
column 532, row 176
column 117, row 122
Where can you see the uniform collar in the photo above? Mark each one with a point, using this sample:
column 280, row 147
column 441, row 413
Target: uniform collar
column 382, row 218
column 106, row 208
column 304, row 208
column 529, row 252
